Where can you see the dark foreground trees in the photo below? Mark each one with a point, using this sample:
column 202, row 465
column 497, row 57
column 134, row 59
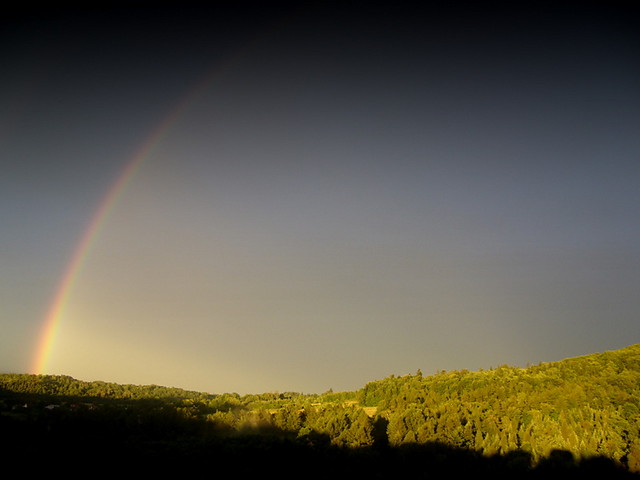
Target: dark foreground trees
column 93, row 449
column 580, row 417
column 141, row 438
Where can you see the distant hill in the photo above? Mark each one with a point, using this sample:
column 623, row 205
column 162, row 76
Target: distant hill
column 64, row 385
column 575, row 415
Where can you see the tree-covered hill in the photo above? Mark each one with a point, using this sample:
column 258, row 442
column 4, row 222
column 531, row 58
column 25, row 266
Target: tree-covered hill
column 580, row 414
column 587, row 405
column 66, row 386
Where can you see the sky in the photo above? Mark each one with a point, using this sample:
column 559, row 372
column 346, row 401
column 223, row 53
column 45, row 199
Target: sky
column 258, row 197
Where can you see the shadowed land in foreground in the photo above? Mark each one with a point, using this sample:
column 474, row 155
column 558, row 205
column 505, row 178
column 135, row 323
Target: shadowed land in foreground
column 148, row 437
column 188, row 447
column 578, row 416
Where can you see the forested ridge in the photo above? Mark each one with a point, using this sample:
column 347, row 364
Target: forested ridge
column 580, row 416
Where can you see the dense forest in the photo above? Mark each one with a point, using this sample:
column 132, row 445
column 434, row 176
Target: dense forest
column 579, row 416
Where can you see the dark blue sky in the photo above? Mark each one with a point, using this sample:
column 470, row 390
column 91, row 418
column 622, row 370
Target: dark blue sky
column 352, row 190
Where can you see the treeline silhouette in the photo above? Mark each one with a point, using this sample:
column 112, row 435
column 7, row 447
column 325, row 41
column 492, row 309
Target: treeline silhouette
column 578, row 417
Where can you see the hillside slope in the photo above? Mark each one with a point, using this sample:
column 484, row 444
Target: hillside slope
column 587, row 405
column 565, row 413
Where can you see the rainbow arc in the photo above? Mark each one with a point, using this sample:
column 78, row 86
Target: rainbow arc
column 56, row 310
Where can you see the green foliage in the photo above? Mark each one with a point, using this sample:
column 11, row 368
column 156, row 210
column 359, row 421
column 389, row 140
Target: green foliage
column 552, row 415
column 587, row 406
column 62, row 385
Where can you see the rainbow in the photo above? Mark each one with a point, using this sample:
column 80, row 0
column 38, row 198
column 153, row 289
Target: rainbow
column 56, row 309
